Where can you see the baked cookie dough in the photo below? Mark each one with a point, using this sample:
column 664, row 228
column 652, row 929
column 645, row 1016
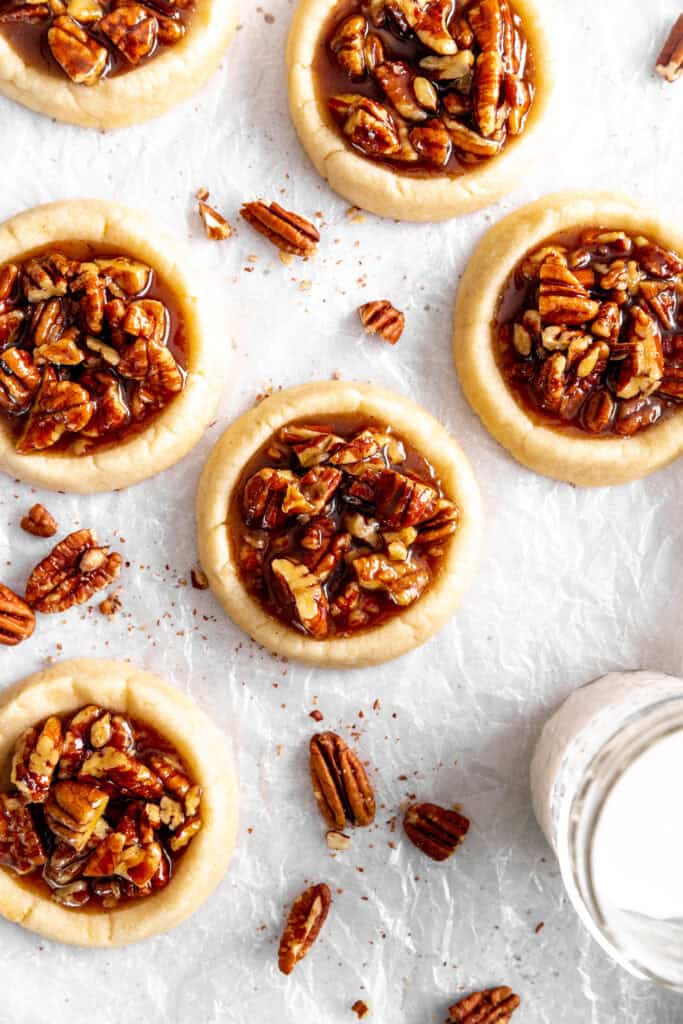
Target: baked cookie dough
column 110, row 369
column 118, row 766
column 415, row 110
column 149, row 59
column 568, row 338
column 339, row 524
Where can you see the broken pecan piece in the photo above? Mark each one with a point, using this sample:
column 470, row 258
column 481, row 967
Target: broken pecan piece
column 39, row 522
column 286, row 230
column 304, row 921
column 303, row 593
column 403, row 581
column 670, row 61
column 78, row 53
column 21, row 847
column 486, row 86
column 17, row 620
column 35, row 759
column 368, row 124
column 432, row 142
column 133, row 29
column 380, row 317
column 72, row 811
column 340, row 783
column 216, row 226
column 62, row 579
column 125, row 773
column 492, row 1006
column 19, row 380
column 435, row 830
column 60, row 407
column 562, row 297
column 348, row 46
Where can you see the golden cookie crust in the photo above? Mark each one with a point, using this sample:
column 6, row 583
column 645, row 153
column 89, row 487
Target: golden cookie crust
column 118, row 685
column 137, row 95
column 563, row 455
column 403, row 632
column 175, row 431
column 379, row 189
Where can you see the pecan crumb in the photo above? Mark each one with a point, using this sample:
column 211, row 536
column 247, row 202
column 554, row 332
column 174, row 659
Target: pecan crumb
column 110, row 606
column 670, row 60
column 361, row 1009
column 382, row 318
column 492, row 1005
column 199, row 579
column 39, row 522
column 539, row 927
column 288, row 231
column 338, row 840
column 202, row 193
column 215, row 224
column 316, row 715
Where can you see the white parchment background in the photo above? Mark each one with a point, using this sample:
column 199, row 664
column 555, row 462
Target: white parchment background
column 571, row 584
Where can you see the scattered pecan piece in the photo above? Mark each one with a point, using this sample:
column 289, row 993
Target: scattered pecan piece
column 286, row 230
column 340, row 783
column 306, row 917
column 36, row 756
column 361, row 1009
column 21, row 847
column 17, row 620
column 492, row 1006
column 670, row 61
column 435, row 830
column 62, row 579
column 215, row 224
column 78, row 53
column 39, row 522
column 110, row 606
column 72, row 811
column 337, row 841
column 199, row 579
column 380, row 317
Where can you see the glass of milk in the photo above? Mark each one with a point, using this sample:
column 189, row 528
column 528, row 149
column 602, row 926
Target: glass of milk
column 607, row 787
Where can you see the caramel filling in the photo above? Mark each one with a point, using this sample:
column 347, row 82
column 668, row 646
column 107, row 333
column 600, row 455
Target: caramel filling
column 590, row 332
column 338, row 525
column 92, row 348
column 425, row 87
column 99, row 812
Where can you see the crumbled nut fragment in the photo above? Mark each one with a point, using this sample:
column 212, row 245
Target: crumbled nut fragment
column 17, row 620
column 306, row 917
column 380, row 317
column 110, row 606
column 340, row 783
column 60, row 581
column 361, row 1009
column 337, row 841
column 199, row 578
column 670, row 61
column 435, row 830
column 288, row 231
column 215, row 224
column 492, row 1006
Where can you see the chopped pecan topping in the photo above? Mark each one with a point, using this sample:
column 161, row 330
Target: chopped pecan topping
column 71, row 573
column 286, row 230
column 380, row 317
column 348, row 45
column 340, row 539
column 340, row 784
column 133, row 29
column 215, row 224
column 19, row 380
column 17, row 620
column 306, row 917
column 78, row 53
column 432, row 142
column 435, row 830
column 670, row 61
column 39, row 521
column 369, row 125
column 492, row 1006
column 118, row 808
column 593, row 340
column 59, row 407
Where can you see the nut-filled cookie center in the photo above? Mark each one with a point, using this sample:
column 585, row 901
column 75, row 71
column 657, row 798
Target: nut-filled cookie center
column 100, row 809
column 88, row 40
column 425, row 87
column 590, row 332
column 338, row 524
column 92, row 348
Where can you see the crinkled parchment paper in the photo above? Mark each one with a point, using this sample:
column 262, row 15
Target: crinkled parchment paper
column 572, row 583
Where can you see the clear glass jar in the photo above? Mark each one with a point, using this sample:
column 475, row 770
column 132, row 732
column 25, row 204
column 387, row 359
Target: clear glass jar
column 607, row 787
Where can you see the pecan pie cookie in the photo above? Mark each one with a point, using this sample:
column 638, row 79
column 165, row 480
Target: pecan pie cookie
column 418, row 109
column 110, row 63
column 109, row 371
column 569, row 338
column 118, row 804
column 338, row 523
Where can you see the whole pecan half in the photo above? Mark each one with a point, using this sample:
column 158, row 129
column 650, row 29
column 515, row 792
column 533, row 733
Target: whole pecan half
column 435, row 830
column 492, row 1006
column 39, row 522
column 306, row 918
column 380, row 317
column 340, row 783
column 73, row 571
column 287, row 230
column 17, row 621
